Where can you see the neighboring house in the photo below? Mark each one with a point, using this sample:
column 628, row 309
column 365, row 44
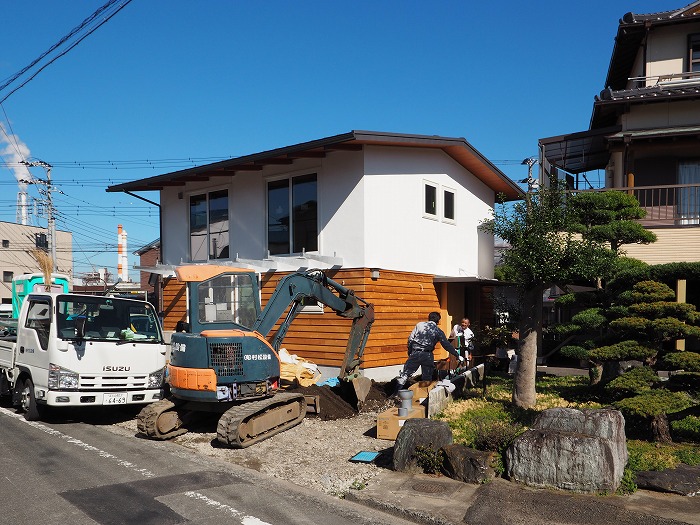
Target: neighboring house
column 17, row 241
column 394, row 217
column 151, row 283
column 645, row 131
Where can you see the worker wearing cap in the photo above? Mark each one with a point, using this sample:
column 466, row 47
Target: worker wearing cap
column 421, row 344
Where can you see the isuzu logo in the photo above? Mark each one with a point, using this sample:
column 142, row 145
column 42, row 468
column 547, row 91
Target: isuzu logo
column 109, row 368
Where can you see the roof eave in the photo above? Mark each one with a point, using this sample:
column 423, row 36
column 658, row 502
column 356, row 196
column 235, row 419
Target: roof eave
column 457, row 148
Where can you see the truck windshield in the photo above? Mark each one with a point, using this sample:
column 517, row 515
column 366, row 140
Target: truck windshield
column 228, row 298
column 107, row 319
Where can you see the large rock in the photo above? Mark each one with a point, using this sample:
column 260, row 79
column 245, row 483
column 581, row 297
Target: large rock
column 416, row 433
column 684, row 480
column 582, row 451
column 468, row 465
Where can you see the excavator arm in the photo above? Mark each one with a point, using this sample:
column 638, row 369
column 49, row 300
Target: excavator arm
column 293, row 289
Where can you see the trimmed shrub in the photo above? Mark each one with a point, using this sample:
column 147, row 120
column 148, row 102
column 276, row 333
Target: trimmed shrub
column 626, row 350
column 635, row 381
column 687, row 428
column 688, row 361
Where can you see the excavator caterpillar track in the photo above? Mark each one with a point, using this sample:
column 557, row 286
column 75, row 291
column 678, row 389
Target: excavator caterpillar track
column 249, row 423
column 160, row 420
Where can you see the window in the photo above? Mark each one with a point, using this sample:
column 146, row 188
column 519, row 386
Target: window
column 295, row 231
column 5, row 243
column 448, row 208
column 7, row 277
column 39, row 320
column 694, row 53
column 41, row 241
column 209, row 226
column 430, row 207
column 438, row 202
column 688, row 200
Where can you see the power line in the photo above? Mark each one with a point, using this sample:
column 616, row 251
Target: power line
column 102, row 15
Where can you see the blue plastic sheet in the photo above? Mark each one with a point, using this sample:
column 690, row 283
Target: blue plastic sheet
column 331, row 381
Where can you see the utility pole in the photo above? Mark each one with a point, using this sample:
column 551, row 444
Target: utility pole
column 49, row 204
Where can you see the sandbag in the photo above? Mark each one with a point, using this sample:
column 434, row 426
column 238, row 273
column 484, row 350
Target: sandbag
column 297, row 371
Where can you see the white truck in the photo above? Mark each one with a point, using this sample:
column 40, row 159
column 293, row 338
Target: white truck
column 82, row 350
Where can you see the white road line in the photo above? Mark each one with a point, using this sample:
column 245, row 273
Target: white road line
column 79, row 443
column 245, row 520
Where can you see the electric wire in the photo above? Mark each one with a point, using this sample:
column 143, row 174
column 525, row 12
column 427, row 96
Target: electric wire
column 75, row 31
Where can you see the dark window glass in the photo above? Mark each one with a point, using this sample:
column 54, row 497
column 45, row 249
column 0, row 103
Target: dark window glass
column 449, row 205
column 41, row 241
column 430, row 200
column 5, row 243
column 218, row 225
column 198, row 227
column 304, row 221
column 278, row 216
column 7, row 277
column 694, row 53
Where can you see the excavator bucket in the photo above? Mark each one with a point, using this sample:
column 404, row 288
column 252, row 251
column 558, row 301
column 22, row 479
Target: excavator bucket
column 355, row 390
column 361, row 385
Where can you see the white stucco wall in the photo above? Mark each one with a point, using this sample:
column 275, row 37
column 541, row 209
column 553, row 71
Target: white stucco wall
column 399, row 236
column 371, row 221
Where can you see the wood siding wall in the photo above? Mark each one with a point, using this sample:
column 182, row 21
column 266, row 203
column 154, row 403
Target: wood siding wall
column 672, row 245
column 400, row 300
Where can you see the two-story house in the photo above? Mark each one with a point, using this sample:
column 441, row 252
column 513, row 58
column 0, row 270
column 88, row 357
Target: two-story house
column 395, row 217
column 644, row 135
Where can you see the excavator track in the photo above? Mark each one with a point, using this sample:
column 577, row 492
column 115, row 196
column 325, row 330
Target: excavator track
column 249, row 423
column 160, row 420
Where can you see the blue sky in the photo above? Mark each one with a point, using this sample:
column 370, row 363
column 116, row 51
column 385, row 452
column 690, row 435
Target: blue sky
column 168, row 80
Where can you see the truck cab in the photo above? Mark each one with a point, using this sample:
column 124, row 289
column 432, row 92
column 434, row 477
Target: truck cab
column 82, row 350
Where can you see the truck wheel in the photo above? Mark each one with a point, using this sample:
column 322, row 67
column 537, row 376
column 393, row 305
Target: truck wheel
column 32, row 410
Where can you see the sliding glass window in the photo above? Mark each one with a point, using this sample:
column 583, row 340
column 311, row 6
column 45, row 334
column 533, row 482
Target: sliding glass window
column 209, row 226
column 292, row 215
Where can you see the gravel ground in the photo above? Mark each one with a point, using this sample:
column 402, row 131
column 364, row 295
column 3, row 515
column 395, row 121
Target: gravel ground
column 314, row 454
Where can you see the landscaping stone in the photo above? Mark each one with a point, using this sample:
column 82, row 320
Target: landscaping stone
column 582, row 451
column 468, row 465
column 684, row 480
column 415, row 433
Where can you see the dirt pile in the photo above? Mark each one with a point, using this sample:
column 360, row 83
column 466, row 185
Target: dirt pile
column 338, row 402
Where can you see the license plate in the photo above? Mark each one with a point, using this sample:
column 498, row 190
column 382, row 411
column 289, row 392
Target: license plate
column 117, row 398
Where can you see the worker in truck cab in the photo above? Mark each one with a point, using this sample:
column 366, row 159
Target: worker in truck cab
column 421, row 344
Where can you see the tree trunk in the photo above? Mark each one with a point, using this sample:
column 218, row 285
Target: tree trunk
column 659, row 428
column 595, row 372
column 524, row 394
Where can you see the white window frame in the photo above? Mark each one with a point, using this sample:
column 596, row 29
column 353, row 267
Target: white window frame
column 440, row 191
column 207, row 192
column 289, row 177
column 447, row 189
column 436, row 186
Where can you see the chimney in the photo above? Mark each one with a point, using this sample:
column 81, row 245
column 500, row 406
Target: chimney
column 122, row 262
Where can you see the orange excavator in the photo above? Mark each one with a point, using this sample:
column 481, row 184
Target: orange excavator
column 224, row 360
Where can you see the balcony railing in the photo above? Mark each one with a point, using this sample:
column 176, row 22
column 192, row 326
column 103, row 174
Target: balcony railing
column 672, row 205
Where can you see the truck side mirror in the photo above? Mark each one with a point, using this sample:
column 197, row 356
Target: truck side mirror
column 80, row 327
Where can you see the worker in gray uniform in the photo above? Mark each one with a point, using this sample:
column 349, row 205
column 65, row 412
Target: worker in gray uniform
column 421, row 344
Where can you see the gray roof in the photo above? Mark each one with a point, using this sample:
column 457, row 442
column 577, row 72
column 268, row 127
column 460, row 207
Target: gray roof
column 457, row 148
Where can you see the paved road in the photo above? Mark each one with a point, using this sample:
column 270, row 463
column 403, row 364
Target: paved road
column 76, row 473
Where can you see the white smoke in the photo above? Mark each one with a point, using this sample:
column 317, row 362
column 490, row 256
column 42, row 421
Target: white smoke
column 13, row 152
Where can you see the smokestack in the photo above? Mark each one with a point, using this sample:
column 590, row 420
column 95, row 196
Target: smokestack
column 14, row 152
column 22, row 215
column 122, row 262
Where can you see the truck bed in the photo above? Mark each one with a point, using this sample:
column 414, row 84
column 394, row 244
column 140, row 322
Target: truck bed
column 7, row 352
